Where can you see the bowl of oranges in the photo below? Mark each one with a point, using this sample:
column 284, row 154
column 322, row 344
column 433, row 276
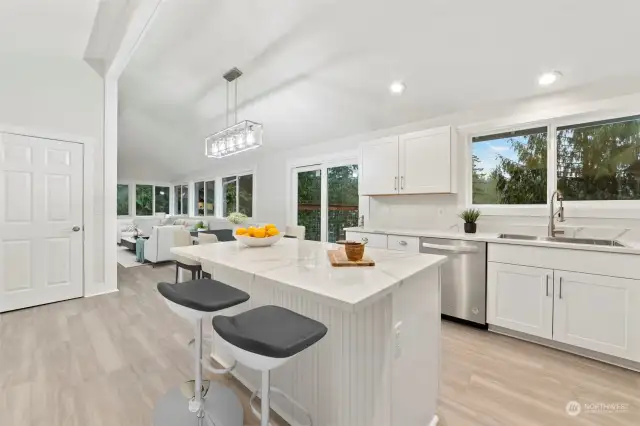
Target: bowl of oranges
column 263, row 236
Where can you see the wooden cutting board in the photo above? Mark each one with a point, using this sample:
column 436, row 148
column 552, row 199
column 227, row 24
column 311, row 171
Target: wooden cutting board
column 339, row 258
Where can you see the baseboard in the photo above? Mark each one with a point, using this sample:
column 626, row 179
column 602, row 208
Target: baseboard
column 597, row 356
column 98, row 291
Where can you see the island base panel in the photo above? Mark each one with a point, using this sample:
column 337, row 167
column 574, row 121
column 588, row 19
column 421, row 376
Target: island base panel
column 378, row 366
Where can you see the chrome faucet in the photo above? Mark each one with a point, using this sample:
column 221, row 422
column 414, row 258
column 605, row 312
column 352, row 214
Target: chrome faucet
column 552, row 214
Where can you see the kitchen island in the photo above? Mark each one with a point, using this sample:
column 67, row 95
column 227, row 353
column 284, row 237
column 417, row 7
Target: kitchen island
column 379, row 363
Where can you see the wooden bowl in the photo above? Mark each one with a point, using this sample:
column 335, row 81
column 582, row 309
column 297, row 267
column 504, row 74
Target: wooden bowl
column 354, row 251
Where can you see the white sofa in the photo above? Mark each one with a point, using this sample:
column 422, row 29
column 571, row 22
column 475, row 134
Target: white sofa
column 158, row 247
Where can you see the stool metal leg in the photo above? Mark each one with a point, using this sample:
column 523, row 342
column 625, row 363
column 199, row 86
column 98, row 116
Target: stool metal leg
column 221, row 406
column 197, row 406
column 264, row 405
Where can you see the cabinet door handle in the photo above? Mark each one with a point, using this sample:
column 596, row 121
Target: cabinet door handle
column 402, row 182
column 403, row 243
column 395, row 183
column 560, row 289
column 365, row 240
column 547, row 285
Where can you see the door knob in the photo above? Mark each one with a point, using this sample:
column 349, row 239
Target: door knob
column 76, row 228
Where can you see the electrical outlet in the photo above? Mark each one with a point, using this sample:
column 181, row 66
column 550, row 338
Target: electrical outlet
column 397, row 338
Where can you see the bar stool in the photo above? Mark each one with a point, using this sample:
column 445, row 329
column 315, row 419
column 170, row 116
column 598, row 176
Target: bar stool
column 182, row 238
column 266, row 338
column 193, row 300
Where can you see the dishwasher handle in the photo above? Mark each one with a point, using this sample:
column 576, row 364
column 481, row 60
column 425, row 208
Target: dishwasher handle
column 452, row 249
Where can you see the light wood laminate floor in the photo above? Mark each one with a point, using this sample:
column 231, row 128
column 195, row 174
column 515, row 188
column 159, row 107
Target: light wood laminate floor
column 103, row 361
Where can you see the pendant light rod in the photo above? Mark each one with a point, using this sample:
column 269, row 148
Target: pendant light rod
column 227, row 106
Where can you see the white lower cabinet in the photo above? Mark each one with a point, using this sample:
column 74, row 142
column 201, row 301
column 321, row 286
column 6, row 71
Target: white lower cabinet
column 372, row 240
column 598, row 313
column 520, row 298
column 594, row 312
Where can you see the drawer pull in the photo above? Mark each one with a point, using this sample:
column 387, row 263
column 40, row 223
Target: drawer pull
column 365, row 240
column 403, row 243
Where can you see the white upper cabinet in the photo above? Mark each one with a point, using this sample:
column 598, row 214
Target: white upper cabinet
column 598, row 313
column 379, row 167
column 413, row 163
column 425, row 162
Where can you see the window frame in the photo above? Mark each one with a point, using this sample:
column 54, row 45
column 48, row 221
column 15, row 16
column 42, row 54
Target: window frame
column 204, row 183
column 128, row 185
column 218, row 193
column 322, row 162
column 237, row 177
column 613, row 209
column 174, row 203
column 132, row 197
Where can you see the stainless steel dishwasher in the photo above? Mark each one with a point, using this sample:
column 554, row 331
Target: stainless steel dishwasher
column 463, row 277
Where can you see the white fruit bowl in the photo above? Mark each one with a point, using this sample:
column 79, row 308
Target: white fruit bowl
column 258, row 242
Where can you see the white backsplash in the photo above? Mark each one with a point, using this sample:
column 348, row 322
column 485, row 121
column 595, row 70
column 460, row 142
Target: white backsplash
column 440, row 212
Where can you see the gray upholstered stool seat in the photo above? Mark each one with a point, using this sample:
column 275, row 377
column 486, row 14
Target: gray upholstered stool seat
column 203, row 295
column 270, row 331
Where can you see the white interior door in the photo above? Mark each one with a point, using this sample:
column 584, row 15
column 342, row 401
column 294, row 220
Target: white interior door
column 41, row 238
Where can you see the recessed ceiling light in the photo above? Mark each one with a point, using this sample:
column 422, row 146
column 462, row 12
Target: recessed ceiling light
column 549, row 78
column 397, row 87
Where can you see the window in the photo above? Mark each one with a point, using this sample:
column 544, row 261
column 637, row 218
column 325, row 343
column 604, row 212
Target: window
column 210, row 196
column 144, row 200
column 229, row 195
column 162, row 199
column 245, row 195
column 199, row 190
column 123, row 200
column 510, row 168
column 599, row 161
column 181, row 199
column 237, row 195
column 205, row 193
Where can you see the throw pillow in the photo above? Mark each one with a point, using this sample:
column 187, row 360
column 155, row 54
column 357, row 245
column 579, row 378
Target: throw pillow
column 129, row 228
column 166, row 221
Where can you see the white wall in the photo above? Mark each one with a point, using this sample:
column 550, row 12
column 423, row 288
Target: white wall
column 439, row 211
column 61, row 96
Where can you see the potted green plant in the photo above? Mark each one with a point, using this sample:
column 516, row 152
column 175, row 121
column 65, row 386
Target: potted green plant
column 470, row 217
column 200, row 226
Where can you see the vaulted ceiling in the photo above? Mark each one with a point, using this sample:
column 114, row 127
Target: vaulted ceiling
column 46, row 27
column 320, row 69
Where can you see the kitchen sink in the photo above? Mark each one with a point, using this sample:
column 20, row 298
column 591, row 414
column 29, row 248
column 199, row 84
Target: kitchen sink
column 588, row 241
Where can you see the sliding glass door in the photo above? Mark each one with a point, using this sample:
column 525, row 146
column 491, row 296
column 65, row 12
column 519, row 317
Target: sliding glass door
column 326, row 199
column 308, row 206
column 342, row 194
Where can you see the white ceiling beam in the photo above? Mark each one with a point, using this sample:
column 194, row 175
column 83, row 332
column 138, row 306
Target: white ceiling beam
column 140, row 22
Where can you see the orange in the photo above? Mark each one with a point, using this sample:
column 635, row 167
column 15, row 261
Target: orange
column 272, row 231
column 241, row 231
column 251, row 231
column 269, row 226
column 260, row 233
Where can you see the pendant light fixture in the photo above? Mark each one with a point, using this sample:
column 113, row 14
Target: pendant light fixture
column 239, row 137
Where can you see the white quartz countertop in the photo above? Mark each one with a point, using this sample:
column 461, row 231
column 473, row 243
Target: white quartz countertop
column 304, row 266
column 632, row 247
